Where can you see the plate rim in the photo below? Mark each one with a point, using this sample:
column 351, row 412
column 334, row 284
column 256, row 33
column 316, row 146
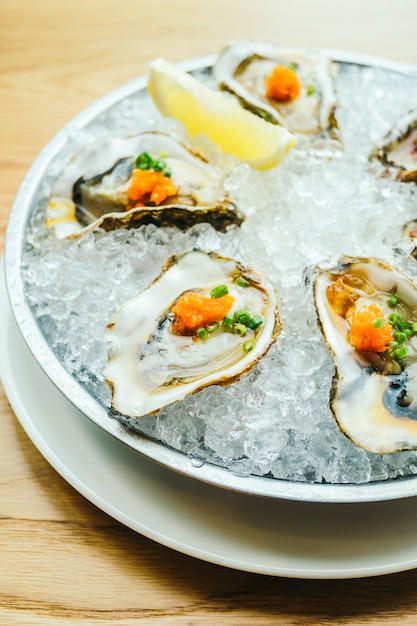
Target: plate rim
column 246, row 554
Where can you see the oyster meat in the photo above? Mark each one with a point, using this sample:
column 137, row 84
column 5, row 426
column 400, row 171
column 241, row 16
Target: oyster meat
column 108, row 185
column 308, row 109
column 397, row 150
column 367, row 313
column 205, row 320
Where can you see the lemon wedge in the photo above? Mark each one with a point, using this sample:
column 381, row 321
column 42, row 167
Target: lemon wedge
column 220, row 117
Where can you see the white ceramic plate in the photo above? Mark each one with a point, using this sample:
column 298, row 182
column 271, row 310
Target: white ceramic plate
column 281, row 538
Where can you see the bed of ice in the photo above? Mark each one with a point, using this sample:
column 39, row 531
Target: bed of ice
column 309, row 210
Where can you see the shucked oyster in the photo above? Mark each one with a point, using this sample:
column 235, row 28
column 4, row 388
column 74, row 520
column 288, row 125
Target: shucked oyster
column 205, row 320
column 397, row 150
column 143, row 179
column 368, row 313
column 292, row 88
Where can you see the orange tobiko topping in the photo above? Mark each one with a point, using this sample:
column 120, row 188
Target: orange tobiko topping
column 282, row 84
column 149, row 187
column 194, row 309
column 369, row 330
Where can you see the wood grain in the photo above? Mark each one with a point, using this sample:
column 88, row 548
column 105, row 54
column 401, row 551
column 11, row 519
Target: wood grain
column 63, row 561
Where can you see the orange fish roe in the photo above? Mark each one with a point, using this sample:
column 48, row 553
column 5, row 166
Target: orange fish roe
column 368, row 336
column 148, row 186
column 282, row 84
column 194, row 309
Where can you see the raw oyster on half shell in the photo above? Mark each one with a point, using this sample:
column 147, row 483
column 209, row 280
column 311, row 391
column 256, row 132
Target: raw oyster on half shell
column 95, row 189
column 367, row 313
column 205, row 320
column 306, row 107
column 397, row 150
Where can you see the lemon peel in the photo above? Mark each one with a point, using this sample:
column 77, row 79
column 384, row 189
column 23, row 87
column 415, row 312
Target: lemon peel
column 220, row 117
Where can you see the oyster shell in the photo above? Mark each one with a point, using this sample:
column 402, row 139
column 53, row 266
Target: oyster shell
column 374, row 393
column 242, row 67
column 92, row 191
column 150, row 366
column 397, row 150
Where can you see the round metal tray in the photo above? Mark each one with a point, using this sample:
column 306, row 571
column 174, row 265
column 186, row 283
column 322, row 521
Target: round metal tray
column 22, row 209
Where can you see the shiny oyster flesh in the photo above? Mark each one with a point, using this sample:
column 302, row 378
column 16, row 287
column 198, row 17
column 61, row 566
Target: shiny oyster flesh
column 96, row 189
column 243, row 67
column 397, row 150
column 178, row 335
column 367, row 312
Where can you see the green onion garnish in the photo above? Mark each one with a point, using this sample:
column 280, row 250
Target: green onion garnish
column 242, row 282
column 248, row 345
column 378, row 322
column 414, row 326
column 392, row 301
column 254, row 322
column 202, row 333
column 228, row 320
column 210, row 328
column 293, row 67
column 395, row 319
column 401, row 352
column 143, row 161
column 242, row 317
column 158, row 165
column 399, row 336
column 310, row 90
column 219, row 291
column 239, row 329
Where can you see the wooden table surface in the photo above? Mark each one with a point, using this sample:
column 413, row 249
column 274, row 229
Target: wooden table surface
column 62, row 560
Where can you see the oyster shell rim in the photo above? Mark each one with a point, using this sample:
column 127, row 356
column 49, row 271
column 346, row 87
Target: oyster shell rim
column 28, row 193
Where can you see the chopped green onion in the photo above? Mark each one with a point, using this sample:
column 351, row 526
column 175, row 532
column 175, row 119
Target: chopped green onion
column 242, row 282
column 293, row 67
column 167, row 172
column 414, row 326
column 395, row 319
column 399, row 337
column 158, row 165
column 143, row 161
column 163, row 154
column 401, row 352
column 392, row 301
column 378, row 322
column 409, row 332
column 210, row 328
column 202, row 333
column 219, row 291
column 239, row 329
column 404, row 326
column 242, row 317
column 228, row 320
column 254, row 322
column 310, row 90
column 248, row 345
column 393, row 346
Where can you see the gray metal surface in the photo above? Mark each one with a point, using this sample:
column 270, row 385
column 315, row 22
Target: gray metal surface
column 252, row 485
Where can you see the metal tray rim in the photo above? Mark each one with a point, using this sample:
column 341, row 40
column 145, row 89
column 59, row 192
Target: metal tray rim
column 177, row 461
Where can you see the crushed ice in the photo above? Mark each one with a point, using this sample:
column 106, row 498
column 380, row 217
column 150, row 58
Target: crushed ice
column 275, row 421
